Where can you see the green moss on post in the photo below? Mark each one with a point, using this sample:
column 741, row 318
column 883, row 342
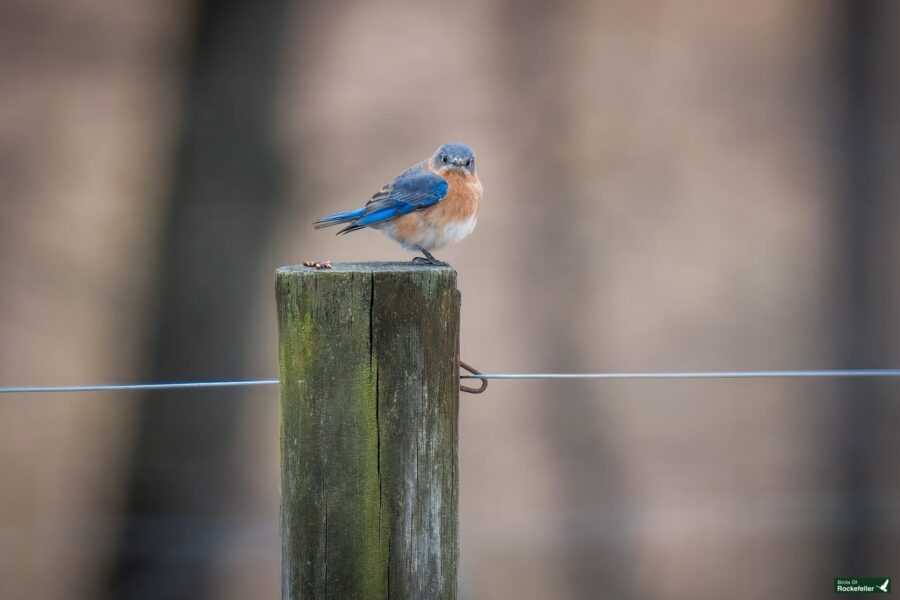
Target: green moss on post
column 369, row 358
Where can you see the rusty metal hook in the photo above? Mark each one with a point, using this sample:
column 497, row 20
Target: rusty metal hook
column 473, row 371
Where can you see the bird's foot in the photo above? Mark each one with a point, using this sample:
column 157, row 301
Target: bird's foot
column 428, row 259
column 432, row 261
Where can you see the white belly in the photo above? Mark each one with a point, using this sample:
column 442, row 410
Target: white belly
column 451, row 234
column 431, row 237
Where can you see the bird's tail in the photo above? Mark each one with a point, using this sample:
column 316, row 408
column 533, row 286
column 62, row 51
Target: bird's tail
column 339, row 218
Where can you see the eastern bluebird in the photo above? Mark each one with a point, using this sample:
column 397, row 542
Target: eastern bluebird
column 430, row 205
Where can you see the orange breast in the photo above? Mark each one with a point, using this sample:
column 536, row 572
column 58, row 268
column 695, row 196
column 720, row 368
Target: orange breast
column 461, row 202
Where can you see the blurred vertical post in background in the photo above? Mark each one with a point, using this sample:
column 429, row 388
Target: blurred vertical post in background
column 536, row 34
column 219, row 219
column 866, row 209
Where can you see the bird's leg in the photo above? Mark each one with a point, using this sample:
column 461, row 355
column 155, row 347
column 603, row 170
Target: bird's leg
column 428, row 259
column 432, row 260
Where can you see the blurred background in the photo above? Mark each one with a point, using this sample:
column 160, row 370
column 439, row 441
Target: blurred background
column 668, row 186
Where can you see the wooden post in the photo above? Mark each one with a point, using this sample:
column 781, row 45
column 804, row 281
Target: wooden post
column 369, row 357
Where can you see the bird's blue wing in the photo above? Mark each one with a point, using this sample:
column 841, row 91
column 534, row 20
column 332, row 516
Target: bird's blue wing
column 413, row 190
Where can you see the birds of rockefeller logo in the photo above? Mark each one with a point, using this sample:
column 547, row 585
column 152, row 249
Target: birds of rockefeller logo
column 862, row 585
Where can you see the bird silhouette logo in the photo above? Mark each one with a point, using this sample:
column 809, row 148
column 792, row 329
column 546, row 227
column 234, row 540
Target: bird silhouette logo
column 884, row 587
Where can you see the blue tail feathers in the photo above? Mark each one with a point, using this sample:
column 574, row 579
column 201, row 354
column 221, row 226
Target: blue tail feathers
column 339, row 218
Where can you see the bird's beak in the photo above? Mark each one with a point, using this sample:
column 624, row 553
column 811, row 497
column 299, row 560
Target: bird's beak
column 458, row 162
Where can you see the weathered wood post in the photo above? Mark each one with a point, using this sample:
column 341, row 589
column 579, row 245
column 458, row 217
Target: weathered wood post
column 369, row 357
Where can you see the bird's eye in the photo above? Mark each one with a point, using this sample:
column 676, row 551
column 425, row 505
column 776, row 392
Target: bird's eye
column 444, row 158
column 469, row 162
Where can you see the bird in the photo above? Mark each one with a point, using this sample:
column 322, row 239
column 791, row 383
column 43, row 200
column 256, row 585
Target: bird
column 429, row 206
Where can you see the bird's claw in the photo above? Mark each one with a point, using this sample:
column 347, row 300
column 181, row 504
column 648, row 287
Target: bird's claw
column 428, row 259
column 421, row 260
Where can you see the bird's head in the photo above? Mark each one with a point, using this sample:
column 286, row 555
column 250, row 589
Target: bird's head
column 454, row 156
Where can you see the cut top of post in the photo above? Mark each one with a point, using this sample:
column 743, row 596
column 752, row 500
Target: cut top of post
column 364, row 267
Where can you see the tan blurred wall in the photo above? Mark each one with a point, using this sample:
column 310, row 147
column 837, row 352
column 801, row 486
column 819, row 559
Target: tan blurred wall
column 85, row 121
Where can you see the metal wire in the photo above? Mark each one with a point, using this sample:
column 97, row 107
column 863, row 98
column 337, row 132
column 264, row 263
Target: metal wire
column 635, row 375
column 695, row 374
column 120, row 387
